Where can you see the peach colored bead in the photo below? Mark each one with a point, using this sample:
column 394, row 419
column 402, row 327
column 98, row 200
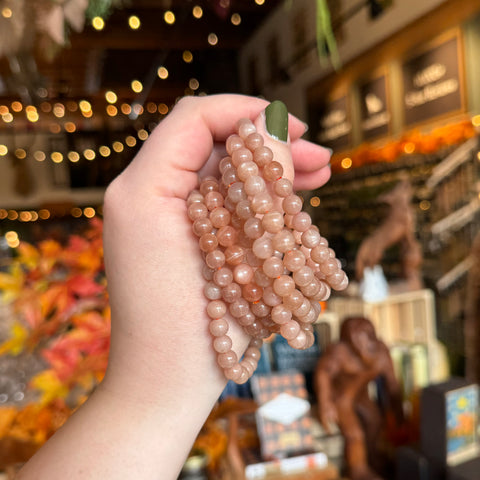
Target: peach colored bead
column 253, row 260
column 320, row 254
column 283, row 187
column 260, row 309
column 239, row 308
column 273, row 267
column 254, row 141
column 227, row 359
column 254, row 185
column 197, row 210
column 281, row 314
column 312, row 288
column 261, row 278
column 303, row 309
column 290, row 329
column 273, row 171
column 284, row 285
column 328, row 267
column 294, row 260
column 218, row 327
column 301, row 221
column 299, row 341
column 246, row 319
column 244, row 209
column 213, row 200
column 262, row 156
column 270, row 297
column 247, row 170
column 262, row 202
column 222, row 277
column 222, row 344
column 252, row 292
column 236, row 192
column 234, row 254
column 234, row 373
column 234, row 142
column 195, row 196
column 220, row 217
column 253, row 228
column 292, row 205
column 303, row 276
column 208, row 185
column 246, row 128
column 240, row 156
column 310, row 238
column 208, row 242
column 215, row 259
column 243, row 274
column 207, row 272
column 273, row 222
column 226, row 236
column 225, row 162
column 254, row 353
column 294, row 300
column 201, row 226
column 283, row 241
column 262, row 247
column 212, row 291
column 231, row 292
column 229, row 176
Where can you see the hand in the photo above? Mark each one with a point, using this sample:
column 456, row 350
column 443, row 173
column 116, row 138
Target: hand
column 162, row 379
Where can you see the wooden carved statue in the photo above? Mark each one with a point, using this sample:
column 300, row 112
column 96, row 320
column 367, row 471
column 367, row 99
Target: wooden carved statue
column 399, row 226
column 342, row 376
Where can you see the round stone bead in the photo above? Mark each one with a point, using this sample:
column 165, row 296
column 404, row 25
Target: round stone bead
column 222, row 344
column 290, row 329
column 294, row 260
column 223, row 277
column 241, row 156
column 310, row 238
column 236, row 192
column 254, row 185
column 283, row 187
column 292, row 204
column 262, row 202
column 254, row 141
column 262, row 156
column 201, row 226
column 243, row 274
column 273, row 222
column 253, row 228
column 218, row 327
column 262, row 247
column 213, row 200
column 197, row 210
column 234, row 142
column 234, row 254
column 283, row 241
column 247, row 170
column 281, row 314
column 301, row 221
column 231, row 292
column 227, row 359
column 215, row 259
column 220, row 217
column 283, row 285
column 252, row 292
column 273, row 267
column 273, row 171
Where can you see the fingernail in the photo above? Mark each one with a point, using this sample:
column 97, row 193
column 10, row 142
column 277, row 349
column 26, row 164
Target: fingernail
column 276, row 120
column 306, row 127
column 330, row 151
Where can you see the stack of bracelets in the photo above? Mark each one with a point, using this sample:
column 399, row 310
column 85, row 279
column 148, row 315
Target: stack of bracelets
column 268, row 267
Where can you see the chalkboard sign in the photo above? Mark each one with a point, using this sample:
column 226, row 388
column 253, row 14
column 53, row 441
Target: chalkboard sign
column 287, row 358
column 375, row 114
column 333, row 124
column 432, row 83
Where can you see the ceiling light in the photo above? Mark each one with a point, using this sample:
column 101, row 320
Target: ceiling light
column 73, row 156
column 187, row 56
column 98, row 23
column 56, row 157
column 3, row 150
column 197, row 11
column 169, row 17
column 236, row 19
column 110, row 97
column 137, row 86
column 85, row 106
column 212, row 39
column 162, row 72
column 134, row 22
column 6, row 12
column 193, row 84
column 259, row 2
column 39, row 156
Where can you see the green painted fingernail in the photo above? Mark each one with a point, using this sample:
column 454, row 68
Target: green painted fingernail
column 276, row 119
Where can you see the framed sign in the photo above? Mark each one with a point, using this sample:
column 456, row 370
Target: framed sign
column 333, row 124
column 433, row 82
column 374, row 108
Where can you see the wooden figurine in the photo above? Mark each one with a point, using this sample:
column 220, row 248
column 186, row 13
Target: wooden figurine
column 399, row 226
column 342, row 377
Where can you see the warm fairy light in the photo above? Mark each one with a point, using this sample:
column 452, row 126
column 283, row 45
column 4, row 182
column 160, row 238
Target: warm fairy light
column 59, row 110
column 409, row 147
column 112, row 110
column 46, row 107
column 39, row 156
column 89, row 212
column 85, row 106
column 12, row 239
column 3, row 110
column 111, row 97
column 3, row 214
column 134, row 22
column 126, row 108
column 20, row 153
column 7, row 12
column 32, row 116
column 478, row 156
column 98, row 23
column 12, row 215
column 137, row 109
column 346, row 163
column 187, row 56
column 162, row 108
column 118, row 146
column 3, row 150
column 142, row 134
column 55, row 128
column 197, row 11
column 236, row 19
column 89, row 154
column 162, row 73
column 56, row 157
column 76, row 212
column 70, row 127
column 44, row 214
column 314, row 201
column 131, row 141
column 151, row 107
column 169, row 17
column 259, row 2
column 34, row 216
column 7, row 118
column 25, row 216
column 74, row 157
column 104, row 151
column 424, row 205
column 476, row 121
column 136, row 86
column 193, row 84
column 212, row 39
column 16, row 106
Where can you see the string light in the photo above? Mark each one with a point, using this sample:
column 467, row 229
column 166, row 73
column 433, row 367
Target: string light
column 236, row 19
column 3, row 150
column 73, row 156
column 134, row 22
column 17, row 106
column 315, row 201
column 212, row 39
column 110, row 96
column 169, row 17
column 162, row 73
column 193, row 84
column 7, row 12
column 136, row 86
column 112, row 110
column 187, row 56
column 162, row 108
column 259, row 2
column 89, row 154
column 39, row 156
column 346, row 163
column 197, row 11
column 56, row 157
column 98, row 23
column 20, row 153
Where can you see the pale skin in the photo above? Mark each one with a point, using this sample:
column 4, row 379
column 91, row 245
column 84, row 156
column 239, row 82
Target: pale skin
column 162, row 379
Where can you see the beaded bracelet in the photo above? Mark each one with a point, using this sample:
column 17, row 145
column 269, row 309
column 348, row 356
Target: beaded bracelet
column 268, row 267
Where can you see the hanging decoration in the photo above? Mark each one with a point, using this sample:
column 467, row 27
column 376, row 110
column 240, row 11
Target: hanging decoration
column 326, row 43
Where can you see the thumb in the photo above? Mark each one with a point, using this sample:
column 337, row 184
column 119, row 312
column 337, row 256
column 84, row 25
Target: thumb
column 272, row 123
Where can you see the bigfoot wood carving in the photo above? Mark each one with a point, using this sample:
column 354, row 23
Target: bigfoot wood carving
column 341, row 382
column 399, row 226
